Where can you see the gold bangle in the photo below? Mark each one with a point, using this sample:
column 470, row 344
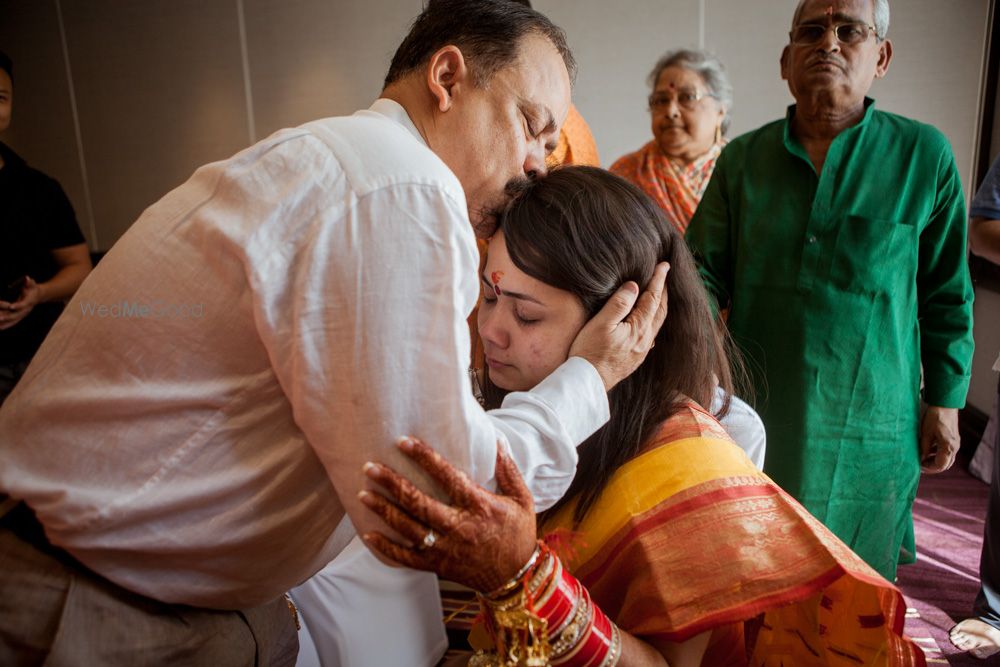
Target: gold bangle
column 547, row 572
column 542, row 574
column 512, row 583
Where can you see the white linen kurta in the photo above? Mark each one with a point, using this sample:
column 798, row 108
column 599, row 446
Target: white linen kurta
column 195, row 425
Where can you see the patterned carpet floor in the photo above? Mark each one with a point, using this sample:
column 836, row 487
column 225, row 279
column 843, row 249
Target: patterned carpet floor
column 940, row 587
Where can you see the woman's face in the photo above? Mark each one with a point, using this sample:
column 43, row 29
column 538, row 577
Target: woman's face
column 527, row 326
column 684, row 117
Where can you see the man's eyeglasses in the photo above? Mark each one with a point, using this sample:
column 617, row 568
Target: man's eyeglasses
column 686, row 99
column 854, row 32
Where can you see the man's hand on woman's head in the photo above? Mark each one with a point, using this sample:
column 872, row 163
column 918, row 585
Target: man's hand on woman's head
column 617, row 339
column 480, row 540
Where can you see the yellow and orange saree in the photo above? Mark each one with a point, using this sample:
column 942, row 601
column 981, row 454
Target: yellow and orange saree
column 689, row 537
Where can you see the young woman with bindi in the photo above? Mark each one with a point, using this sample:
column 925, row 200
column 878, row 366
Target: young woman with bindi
column 670, row 547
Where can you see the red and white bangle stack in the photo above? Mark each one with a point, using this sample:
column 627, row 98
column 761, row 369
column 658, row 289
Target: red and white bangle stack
column 545, row 616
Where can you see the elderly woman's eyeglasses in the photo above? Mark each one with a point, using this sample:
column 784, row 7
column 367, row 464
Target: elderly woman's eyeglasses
column 854, row 32
column 686, row 99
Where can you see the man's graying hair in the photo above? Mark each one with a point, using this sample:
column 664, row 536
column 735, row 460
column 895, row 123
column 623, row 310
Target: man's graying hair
column 881, row 17
column 488, row 32
column 705, row 65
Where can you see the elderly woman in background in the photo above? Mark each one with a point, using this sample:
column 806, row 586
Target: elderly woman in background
column 689, row 106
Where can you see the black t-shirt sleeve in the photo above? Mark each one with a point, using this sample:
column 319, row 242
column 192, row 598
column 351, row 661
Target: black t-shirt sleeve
column 60, row 228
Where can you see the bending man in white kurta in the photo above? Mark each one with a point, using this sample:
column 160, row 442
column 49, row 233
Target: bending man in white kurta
column 195, row 426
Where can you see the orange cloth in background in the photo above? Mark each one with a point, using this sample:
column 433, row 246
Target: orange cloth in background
column 576, row 146
column 576, row 143
column 675, row 186
column 690, row 537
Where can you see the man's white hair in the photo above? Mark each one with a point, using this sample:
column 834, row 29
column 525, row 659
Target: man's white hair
column 881, row 17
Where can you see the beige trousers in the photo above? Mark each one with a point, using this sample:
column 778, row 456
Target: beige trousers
column 56, row 612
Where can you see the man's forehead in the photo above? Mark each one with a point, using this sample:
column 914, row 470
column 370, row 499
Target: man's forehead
column 541, row 75
column 820, row 10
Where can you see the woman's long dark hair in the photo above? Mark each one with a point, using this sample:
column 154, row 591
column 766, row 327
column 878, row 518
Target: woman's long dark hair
column 586, row 231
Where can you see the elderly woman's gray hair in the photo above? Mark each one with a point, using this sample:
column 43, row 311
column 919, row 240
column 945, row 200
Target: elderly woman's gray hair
column 880, row 15
column 705, row 65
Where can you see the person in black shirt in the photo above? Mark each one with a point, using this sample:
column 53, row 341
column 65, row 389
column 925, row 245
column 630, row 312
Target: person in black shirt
column 43, row 255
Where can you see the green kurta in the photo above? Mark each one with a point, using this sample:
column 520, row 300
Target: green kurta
column 839, row 286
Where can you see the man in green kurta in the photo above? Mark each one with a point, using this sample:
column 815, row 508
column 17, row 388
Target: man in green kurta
column 836, row 238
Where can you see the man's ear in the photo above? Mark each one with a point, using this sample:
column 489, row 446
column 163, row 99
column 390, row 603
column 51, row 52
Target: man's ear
column 445, row 73
column 783, row 61
column 884, row 56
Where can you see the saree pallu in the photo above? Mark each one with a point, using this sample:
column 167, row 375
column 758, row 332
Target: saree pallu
column 689, row 537
column 675, row 186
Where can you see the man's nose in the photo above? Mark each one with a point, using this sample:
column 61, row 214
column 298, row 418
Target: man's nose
column 829, row 42
column 534, row 161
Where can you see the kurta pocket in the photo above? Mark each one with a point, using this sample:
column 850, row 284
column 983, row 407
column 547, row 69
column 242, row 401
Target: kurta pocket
column 874, row 256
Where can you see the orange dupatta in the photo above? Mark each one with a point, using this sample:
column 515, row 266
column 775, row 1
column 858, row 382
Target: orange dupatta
column 675, row 186
column 690, row 537
column 576, row 143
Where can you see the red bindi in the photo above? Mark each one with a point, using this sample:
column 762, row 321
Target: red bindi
column 496, row 276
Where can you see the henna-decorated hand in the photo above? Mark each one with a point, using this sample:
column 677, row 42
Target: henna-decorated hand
column 481, row 540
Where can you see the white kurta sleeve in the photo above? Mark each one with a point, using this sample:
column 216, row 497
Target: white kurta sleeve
column 369, row 341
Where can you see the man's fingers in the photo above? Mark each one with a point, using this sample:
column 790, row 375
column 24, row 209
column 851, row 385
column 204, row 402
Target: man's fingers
column 662, row 304
column 452, row 481
column 947, row 460
column 509, row 481
column 947, row 451
column 618, row 306
column 940, row 455
column 651, row 308
column 931, row 467
column 415, row 502
column 936, row 466
column 394, row 517
column 11, row 320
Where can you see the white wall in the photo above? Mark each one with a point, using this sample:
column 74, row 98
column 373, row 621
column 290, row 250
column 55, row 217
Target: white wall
column 934, row 77
column 121, row 100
